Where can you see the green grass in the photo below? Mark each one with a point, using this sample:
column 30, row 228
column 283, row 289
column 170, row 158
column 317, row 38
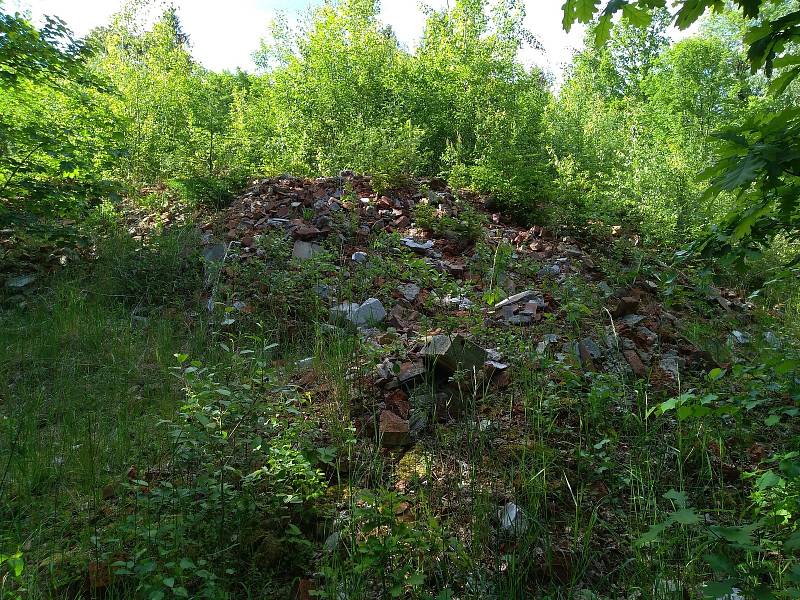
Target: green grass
column 89, row 389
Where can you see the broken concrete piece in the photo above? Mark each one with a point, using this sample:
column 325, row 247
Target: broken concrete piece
column 454, row 353
column 305, row 250
column 394, row 431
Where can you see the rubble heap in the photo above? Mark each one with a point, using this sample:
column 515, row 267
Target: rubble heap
column 635, row 335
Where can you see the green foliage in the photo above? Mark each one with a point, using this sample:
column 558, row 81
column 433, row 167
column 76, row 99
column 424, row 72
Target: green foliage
column 56, row 136
column 758, row 160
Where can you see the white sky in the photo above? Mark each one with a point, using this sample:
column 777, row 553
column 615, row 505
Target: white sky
column 224, row 35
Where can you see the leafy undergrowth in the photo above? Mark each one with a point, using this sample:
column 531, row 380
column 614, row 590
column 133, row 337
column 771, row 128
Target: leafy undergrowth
column 187, row 417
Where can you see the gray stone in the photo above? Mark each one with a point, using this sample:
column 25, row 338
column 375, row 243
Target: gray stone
column 324, row 291
column 670, row 365
column 740, row 337
column 359, row 257
column 418, row 247
column 550, row 271
column 605, row 288
column 20, row 282
column 549, row 339
column 772, row 340
column 305, row 250
column 345, row 310
column 519, row 320
column 454, row 353
column 631, row 320
column 517, row 298
column 462, row 302
column 410, row 291
column 513, row 520
column 370, row 313
column 215, row 253
column 592, row 348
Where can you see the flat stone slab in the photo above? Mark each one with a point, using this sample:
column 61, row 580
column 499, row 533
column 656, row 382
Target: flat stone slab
column 454, row 353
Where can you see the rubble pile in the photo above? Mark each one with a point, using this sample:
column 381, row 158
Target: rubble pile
column 438, row 372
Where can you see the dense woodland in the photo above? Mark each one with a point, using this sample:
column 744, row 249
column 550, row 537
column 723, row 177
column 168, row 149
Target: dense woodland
column 380, row 322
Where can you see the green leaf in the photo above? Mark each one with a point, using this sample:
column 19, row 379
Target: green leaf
column 637, row 16
column 652, row 535
column 768, row 480
column 603, row 30
column 685, row 516
column 792, row 543
column 716, row 374
column 718, row 589
column 679, row 498
column 787, row 366
column 416, row 579
column 720, row 563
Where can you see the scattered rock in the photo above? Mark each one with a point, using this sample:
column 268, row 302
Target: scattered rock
column 418, row 247
column 516, row 298
column 370, row 313
column 739, row 337
column 20, row 282
column 305, row 250
column 513, row 520
column 409, row 291
column 635, row 363
column 462, row 302
column 594, row 351
column 411, row 373
column 627, row 305
column 394, row 431
column 550, row 271
column 670, row 365
column 631, row 320
column 549, row 339
column 454, row 353
column 359, row 257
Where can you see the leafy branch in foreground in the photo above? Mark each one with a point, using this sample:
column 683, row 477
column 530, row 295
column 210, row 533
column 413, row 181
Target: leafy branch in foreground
column 760, row 161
